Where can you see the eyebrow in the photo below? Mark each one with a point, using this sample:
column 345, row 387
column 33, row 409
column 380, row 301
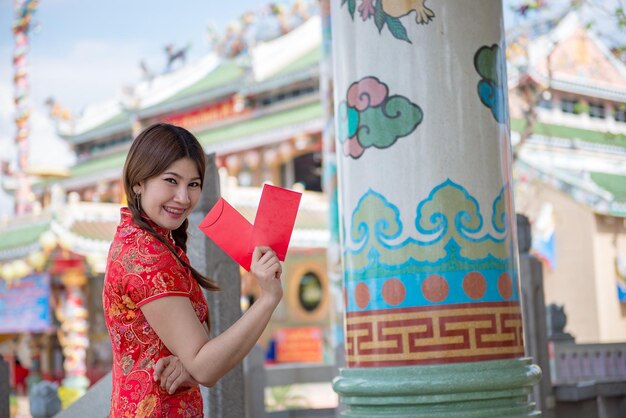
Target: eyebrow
column 171, row 173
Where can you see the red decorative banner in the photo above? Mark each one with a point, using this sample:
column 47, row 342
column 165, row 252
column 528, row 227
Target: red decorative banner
column 206, row 115
column 299, row 345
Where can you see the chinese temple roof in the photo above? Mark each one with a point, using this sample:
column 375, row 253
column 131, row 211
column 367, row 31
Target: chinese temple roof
column 582, row 156
column 569, row 57
column 20, row 240
column 277, row 60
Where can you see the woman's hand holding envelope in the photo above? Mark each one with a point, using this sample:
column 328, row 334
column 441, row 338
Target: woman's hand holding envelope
column 267, row 268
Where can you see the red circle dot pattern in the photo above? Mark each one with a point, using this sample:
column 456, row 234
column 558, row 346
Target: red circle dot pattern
column 505, row 286
column 435, row 288
column 362, row 295
column 394, row 292
column 474, row 285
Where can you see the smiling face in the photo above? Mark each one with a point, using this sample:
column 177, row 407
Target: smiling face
column 170, row 197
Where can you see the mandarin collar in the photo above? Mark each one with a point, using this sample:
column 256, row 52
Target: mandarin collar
column 127, row 219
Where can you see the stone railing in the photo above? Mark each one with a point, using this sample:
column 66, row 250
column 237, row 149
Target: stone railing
column 573, row 363
column 589, row 380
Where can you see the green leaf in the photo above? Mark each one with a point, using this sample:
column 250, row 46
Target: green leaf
column 351, row 7
column 397, row 29
column 379, row 15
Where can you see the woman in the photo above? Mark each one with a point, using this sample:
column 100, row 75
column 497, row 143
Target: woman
column 155, row 312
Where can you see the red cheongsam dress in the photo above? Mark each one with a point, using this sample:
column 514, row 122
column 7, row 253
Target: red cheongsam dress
column 141, row 269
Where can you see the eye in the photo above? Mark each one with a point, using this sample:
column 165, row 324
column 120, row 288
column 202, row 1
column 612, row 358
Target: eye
column 170, row 180
column 195, row 184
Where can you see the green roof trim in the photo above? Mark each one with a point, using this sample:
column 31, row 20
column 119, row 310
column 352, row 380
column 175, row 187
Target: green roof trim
column 596, row 137
column 22, row 236
column 118, row 118
column 612, row 183
column 313, row 57
column 114, row 120
column 223, row 74
column 264, row 123
column 99, row 164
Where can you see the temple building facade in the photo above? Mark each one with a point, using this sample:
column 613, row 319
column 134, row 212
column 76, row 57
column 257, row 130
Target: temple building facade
column 567, row 95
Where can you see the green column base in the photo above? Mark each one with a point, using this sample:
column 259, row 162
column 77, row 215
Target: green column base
column 498, row 388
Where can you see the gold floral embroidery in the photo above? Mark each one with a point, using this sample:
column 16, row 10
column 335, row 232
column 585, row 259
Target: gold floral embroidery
column 182, row 409
column 163, row 282
column 130, row 315
column 146, row 406
column 114, row 310
column 117, row 308
column 128, row 302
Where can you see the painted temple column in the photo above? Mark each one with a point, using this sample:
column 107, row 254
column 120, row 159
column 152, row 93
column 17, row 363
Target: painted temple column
column 71, row 311
column 433, row 324
column 22, row 26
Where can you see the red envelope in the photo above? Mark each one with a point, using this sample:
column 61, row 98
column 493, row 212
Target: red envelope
column 275, row 219
column 230, row 231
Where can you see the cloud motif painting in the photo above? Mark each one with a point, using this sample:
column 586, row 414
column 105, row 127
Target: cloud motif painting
column 490, row 64
column 369, row 117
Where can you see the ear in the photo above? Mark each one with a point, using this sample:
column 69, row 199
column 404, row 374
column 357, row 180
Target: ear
column 138, row 188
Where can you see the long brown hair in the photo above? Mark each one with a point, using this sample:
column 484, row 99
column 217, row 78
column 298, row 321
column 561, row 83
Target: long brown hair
column 152, row 152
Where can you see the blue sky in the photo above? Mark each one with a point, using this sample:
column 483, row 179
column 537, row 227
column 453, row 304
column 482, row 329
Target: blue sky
column 85, row 51
column 98, row 44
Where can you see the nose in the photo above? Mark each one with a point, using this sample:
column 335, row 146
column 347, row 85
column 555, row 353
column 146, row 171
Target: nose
column 182, row 196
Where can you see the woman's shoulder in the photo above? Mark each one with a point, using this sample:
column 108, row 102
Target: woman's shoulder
column 134, row 250
column 129, row 233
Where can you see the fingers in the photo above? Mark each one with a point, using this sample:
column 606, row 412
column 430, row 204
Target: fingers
column 259, row 252
column 170, row 372
column 279, row 272
column 169, row 384
column 176, row 384
column 272, row 268
column 267, row 257
column 160, row 365
column 266, row 264
column 264, row 257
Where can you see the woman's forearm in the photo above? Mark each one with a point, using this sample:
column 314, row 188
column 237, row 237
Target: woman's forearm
column 207, row 360
column 219, row 355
